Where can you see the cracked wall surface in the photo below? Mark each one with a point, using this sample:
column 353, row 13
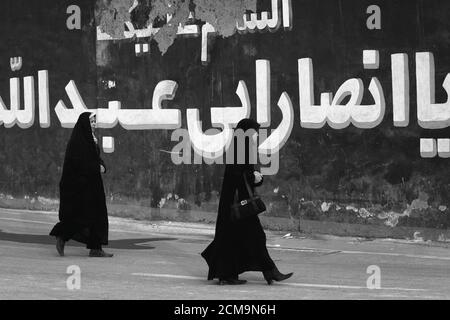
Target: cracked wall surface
column 111, row 15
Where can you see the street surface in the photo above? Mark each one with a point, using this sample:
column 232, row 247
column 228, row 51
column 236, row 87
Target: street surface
column 161, row 260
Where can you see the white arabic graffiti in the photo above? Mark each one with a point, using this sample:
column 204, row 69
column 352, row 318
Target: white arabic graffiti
column 211, row 144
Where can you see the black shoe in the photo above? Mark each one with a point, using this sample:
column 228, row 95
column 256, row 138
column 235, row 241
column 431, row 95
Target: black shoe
column 99, row 253
column 60, row 243
column 276, row 275
column 231, row 281
column 268, row 276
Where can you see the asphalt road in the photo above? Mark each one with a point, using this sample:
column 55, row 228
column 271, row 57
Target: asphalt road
column 161, row 260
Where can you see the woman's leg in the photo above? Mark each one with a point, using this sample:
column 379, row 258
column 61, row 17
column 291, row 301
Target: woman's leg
column 63, row 231
column 95, row 246
column 271, row 271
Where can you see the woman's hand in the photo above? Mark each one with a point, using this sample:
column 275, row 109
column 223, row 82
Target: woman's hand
column 258, row 177
column 102, row 169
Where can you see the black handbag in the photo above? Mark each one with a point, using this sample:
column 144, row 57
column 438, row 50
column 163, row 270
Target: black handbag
column 248, row 207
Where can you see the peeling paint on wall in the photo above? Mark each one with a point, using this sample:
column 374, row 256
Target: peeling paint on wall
column 179, row 10
column 419, row 204
column 111, row 15
column 222, row 15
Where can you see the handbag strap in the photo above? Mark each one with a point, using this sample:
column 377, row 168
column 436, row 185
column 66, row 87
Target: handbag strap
column 249, row 190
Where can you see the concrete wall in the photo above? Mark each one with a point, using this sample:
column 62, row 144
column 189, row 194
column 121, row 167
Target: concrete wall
column 370, row 168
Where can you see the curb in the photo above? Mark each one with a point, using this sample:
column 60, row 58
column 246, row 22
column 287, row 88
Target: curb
column 300, row 225
column 281, row 224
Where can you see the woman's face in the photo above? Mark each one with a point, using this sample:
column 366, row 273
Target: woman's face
column 93, row 121
column 255, row 138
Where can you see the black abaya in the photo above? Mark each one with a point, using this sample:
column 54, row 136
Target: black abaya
column 82, row 212
column 237, row 246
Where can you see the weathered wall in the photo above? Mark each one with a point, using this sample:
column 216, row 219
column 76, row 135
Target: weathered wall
column 356, row 175
column 36, row 31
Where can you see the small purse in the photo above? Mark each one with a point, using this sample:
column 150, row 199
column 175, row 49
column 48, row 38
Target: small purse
column 248, row 207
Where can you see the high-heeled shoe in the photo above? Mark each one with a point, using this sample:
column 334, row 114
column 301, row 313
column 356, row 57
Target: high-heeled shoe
column 276, row 275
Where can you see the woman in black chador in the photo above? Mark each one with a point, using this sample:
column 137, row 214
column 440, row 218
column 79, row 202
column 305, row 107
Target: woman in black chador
column 239, row 246
column 82, row 211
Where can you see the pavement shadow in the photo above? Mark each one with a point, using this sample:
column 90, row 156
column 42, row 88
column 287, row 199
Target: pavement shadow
column 127, row 244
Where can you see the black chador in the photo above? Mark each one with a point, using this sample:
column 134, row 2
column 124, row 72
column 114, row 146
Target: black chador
column 239, row 246
column 83, row 214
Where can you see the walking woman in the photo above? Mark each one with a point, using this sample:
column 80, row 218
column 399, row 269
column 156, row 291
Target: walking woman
column 239, row 246
column 82, row 211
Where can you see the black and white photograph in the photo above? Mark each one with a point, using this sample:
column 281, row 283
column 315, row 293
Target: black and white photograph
column 240, row 152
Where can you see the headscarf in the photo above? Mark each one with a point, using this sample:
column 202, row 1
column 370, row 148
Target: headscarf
column 81, row 143
column 245, row 125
